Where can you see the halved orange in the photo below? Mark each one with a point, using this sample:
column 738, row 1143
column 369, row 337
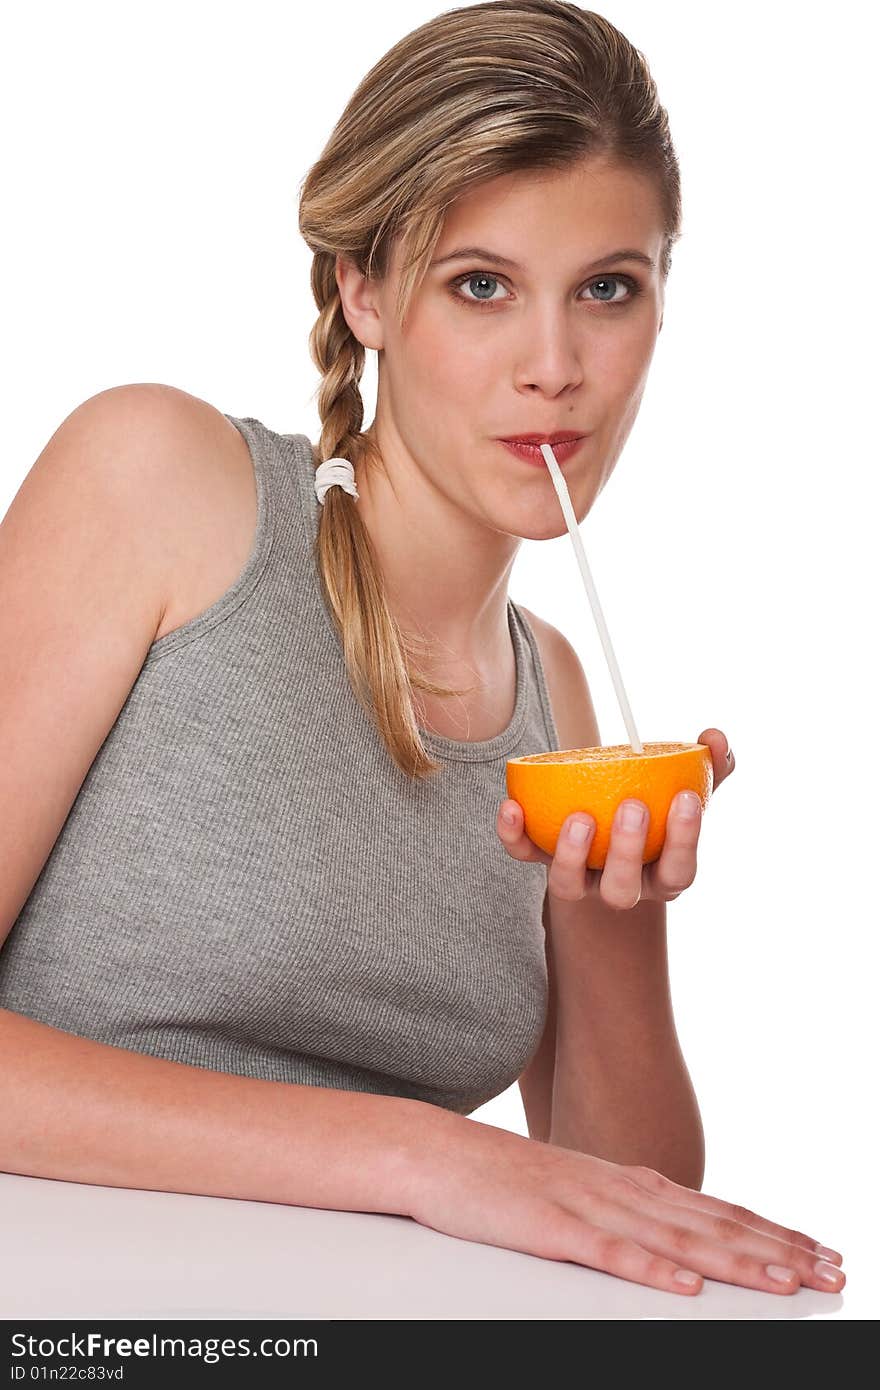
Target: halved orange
column 552, row 786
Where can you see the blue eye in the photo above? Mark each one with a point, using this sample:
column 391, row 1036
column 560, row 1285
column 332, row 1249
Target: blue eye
column 632, row 285
column 482, row 276
column 487, row 280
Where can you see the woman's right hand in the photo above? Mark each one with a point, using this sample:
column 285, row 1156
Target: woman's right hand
column 489, row 1185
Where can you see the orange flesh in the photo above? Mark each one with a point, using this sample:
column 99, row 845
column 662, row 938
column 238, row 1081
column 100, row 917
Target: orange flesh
column 615, row 750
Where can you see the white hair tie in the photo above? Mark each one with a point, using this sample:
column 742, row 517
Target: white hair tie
column 334, row 472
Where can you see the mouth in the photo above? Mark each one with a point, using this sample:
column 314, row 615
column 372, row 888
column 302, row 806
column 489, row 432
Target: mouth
column 527, row 447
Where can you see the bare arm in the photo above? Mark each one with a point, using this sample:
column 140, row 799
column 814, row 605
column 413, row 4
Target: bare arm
column 536, row 1082
column 621, row 1088
column 85, row 1111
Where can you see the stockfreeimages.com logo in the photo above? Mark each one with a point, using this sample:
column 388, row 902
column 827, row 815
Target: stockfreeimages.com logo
column 209, row 1349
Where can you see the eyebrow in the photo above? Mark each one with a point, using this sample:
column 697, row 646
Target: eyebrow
column 481, row 254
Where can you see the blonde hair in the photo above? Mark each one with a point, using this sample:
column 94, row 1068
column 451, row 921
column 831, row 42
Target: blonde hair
column 477, row 92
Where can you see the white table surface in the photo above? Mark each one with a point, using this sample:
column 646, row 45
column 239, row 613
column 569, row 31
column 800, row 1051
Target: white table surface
column 71, row 1250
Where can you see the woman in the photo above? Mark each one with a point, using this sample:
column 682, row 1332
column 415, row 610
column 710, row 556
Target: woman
column 254, row 904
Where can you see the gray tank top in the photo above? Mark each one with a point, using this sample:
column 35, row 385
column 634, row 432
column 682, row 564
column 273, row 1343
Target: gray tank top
column 247, row 882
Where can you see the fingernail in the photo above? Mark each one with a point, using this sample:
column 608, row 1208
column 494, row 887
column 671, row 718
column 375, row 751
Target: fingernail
column 578, row 832
column 687, row 805
column 829, row 1272
column 632, row 816
column 686, row 1276
column 508, row 817
column 781, row 1273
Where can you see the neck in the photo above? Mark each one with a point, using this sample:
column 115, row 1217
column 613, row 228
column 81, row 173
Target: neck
column 445, row 573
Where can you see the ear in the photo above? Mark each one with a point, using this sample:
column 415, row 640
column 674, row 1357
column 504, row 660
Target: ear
column 359, row 297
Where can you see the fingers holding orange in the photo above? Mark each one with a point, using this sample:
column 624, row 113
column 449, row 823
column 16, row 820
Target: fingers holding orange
column 567, row 878
column 676, row 868
column 550, row 787
column 723, row 760
column 511, row 832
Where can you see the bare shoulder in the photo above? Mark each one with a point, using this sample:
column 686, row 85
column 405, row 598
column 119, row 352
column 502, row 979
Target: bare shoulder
column 142, row 430
column 567, row 685
column 176, row 462
column 203, row 508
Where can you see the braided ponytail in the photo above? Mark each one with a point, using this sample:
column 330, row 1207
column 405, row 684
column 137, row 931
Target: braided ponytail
column 381, row 658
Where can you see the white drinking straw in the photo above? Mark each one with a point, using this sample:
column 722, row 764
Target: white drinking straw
column 571, row 522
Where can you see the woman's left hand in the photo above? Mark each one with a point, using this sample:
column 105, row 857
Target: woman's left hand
column 625, row 880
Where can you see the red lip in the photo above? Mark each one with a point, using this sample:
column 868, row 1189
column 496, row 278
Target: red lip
column 561, row 438
column 531, row 453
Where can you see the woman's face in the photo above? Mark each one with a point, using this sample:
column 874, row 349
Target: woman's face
column 560, row 341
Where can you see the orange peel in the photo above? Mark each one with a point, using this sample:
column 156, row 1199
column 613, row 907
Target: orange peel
column 552, row 786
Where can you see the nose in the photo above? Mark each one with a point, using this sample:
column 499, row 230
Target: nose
column 548, row 353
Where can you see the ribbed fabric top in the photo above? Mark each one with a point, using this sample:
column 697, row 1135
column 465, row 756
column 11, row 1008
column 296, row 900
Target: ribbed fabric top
column 247, row 882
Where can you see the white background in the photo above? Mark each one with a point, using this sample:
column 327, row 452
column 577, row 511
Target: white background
column 152, row 160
